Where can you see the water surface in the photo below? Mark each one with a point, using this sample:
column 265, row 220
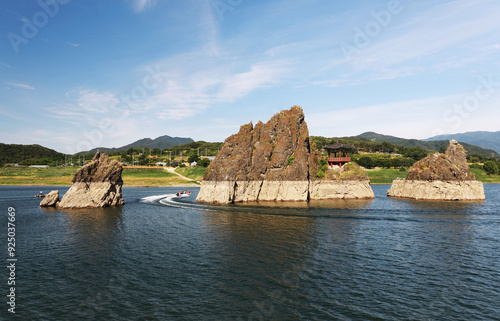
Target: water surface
column 161, row 258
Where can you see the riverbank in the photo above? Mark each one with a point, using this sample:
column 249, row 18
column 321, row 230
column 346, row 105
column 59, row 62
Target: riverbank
column 154, row 177
column 132, row 177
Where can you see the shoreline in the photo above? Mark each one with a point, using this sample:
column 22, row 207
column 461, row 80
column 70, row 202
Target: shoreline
column 173, row 185
column 124, row 186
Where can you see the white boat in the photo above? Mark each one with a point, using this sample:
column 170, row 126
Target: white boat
column 183, row 194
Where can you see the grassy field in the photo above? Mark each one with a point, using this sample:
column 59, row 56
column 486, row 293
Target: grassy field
column 64, row 175
column 384, row 176
column 195, row 173
column 160, row 177
column 36, row 176
column 150, row 177
column 485, row 178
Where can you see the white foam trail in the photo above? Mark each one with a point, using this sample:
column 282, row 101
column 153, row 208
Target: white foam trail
column 170, row 202
column 151, row 199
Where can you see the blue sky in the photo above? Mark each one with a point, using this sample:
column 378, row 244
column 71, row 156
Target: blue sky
column 81, row 74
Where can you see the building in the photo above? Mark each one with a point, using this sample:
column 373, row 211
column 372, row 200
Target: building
column 40, row 166
column 338, row 154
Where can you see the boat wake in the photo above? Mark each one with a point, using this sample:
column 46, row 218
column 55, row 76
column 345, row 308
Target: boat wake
column 172, row 200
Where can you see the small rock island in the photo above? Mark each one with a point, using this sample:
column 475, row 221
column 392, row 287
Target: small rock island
column 440, row 177
column 275, row 162
column 97, row 184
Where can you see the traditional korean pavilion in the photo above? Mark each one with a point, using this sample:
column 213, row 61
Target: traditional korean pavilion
column 338, row 153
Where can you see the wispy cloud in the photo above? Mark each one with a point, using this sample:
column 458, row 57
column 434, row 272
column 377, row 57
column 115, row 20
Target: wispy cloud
column 21, row 86
column 430, row 36
column 418, row 118
column 85, row 106
column 190, row 93
column 72, row 44
column 141, row 5
column 4, row 65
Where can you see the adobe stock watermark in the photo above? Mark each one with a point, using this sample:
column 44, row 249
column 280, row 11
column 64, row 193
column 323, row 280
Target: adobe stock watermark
column 30, row 28
column 221, row 7
column 363, row 36
column 11, row 260
column 456, row 115
column 127, row 104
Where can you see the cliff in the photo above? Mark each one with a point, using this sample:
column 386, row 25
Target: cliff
column 440, row 177
column 265, row 162
column 97, row 184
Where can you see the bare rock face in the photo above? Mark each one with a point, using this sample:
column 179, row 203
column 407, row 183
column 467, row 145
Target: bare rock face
column 97, row 184
column 265, row 162
column 440, row 177
column 275, row 151
column 451, row 166
column 347, row 182
column 50, row 199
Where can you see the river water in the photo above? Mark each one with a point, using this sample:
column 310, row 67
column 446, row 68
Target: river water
column 162, row 258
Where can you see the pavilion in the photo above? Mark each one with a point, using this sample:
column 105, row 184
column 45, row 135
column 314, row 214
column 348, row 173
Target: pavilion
column 338, row 153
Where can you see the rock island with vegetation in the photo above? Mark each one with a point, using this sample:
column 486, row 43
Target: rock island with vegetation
column 276, row 162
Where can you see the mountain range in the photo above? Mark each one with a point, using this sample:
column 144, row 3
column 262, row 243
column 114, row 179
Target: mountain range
column 430, row 144
column 489, row 140
column 161, row 142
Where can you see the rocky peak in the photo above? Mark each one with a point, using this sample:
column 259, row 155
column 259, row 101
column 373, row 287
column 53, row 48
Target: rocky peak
column 101, row 169
column 277, row 150
column 451, row 166
column 97, row 184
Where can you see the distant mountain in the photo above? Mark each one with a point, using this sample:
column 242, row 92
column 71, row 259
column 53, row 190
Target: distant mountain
column 28, row 154
column 489, row 140
column 161, row 142
column 429, row 145
column 374, row 137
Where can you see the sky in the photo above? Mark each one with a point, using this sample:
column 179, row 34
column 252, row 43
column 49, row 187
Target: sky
column 76, row 75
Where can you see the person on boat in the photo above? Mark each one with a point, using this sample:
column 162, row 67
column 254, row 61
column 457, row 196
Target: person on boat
column 41, row 193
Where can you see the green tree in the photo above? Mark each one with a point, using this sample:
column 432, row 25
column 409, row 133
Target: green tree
column 416, row 153
column 490, row 167
column 204, row 162
column 365, row 161
column 387, row 147
column 193, row 157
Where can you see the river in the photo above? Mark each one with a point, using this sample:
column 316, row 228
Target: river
column 164, row 258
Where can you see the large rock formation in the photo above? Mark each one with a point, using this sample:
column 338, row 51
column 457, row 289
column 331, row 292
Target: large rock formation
column 51, row 199
column 265, row 162
column 440, row 177
column 97, row 184
column 347, row 182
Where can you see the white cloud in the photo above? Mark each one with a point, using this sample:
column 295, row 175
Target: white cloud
column 141, row 5
column 189, row 93
column 420, row 118
column 440, row 28
column 85, row 106
column 72, row 44
column 4, row 65
column 21, row 86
